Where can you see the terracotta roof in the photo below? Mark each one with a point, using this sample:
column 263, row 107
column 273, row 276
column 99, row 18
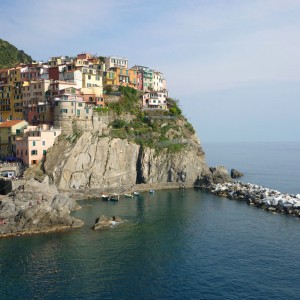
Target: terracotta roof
column 10, row 123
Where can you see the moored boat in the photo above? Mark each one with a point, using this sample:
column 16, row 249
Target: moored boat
column 114, row 197
column 105, row 197
column 128, row 195
column 151, row 191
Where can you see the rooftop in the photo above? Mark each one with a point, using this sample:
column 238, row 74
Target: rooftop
column 11, row 123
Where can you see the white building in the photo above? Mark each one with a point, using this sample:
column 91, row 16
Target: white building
column 155, row 100
column 158, row 83
column 114, row 61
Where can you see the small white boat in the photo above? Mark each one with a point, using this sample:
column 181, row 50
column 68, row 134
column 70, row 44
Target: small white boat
column 128, row 195
column 136, row 193
column 105, row 197
column 151, row 191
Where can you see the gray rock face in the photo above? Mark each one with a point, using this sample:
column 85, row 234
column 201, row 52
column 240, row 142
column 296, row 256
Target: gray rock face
column 36, row 207
column 96, row 162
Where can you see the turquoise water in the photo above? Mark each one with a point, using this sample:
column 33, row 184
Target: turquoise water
column 175, row 245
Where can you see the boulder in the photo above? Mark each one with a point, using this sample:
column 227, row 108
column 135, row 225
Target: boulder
column 235, row 173
column 104, row 222
column 220, row 174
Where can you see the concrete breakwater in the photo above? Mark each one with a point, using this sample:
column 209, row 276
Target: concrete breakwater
column 265, row 198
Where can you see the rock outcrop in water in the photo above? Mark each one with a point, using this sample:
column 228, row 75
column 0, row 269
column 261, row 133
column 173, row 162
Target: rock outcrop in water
column 236, row 174
column 104, row 222
column 36, row 207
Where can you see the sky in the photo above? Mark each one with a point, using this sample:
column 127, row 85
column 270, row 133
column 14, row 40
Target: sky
column 234, row 65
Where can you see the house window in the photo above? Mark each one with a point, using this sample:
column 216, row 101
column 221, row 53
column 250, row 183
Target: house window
column 80, row 104
column 78, row 112
column 43, row 143
column 64, row 111
column 33, row 143
column 44, row 152
column 54, row 133
column 33, row 152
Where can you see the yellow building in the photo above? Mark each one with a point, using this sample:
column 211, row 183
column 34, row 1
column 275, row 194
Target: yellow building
column 34, row 98
column 126, row 77
column 9, row 130
column 55, row 61
column 110, row 78
column 91, row 78
column 11, row 103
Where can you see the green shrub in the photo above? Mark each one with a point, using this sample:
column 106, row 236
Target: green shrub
column 108, row 89
column 119, row 133
column 118, row 123
column 101, row 109
column 175, row 148
column 190, row 128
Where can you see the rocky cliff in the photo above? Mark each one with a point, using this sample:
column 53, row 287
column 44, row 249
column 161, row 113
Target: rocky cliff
column 128, row 146
column 168, row 153
column 95, row 162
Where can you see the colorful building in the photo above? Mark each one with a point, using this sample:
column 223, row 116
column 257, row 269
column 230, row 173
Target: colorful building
column 33, row 146
column 114, row 61
column 34, row 95
column 109, row 77
column 155, row 100
column 9, row 131
column 159, row 83
column 11, row 94
column 147, row 77
column 139, row 76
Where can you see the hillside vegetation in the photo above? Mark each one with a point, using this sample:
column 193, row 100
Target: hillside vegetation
column 10, row 55
column 158, row 129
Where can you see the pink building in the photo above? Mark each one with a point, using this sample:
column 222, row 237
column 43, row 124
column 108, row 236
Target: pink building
column 32, row 147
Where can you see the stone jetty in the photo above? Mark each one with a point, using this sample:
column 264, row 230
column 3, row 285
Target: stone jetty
column 265, row 198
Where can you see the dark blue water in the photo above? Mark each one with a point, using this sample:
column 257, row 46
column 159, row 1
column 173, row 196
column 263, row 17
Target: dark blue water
column 175, row 245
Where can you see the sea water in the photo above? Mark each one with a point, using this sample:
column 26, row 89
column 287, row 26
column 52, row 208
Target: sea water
column 176, row 244
column 273, row 164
